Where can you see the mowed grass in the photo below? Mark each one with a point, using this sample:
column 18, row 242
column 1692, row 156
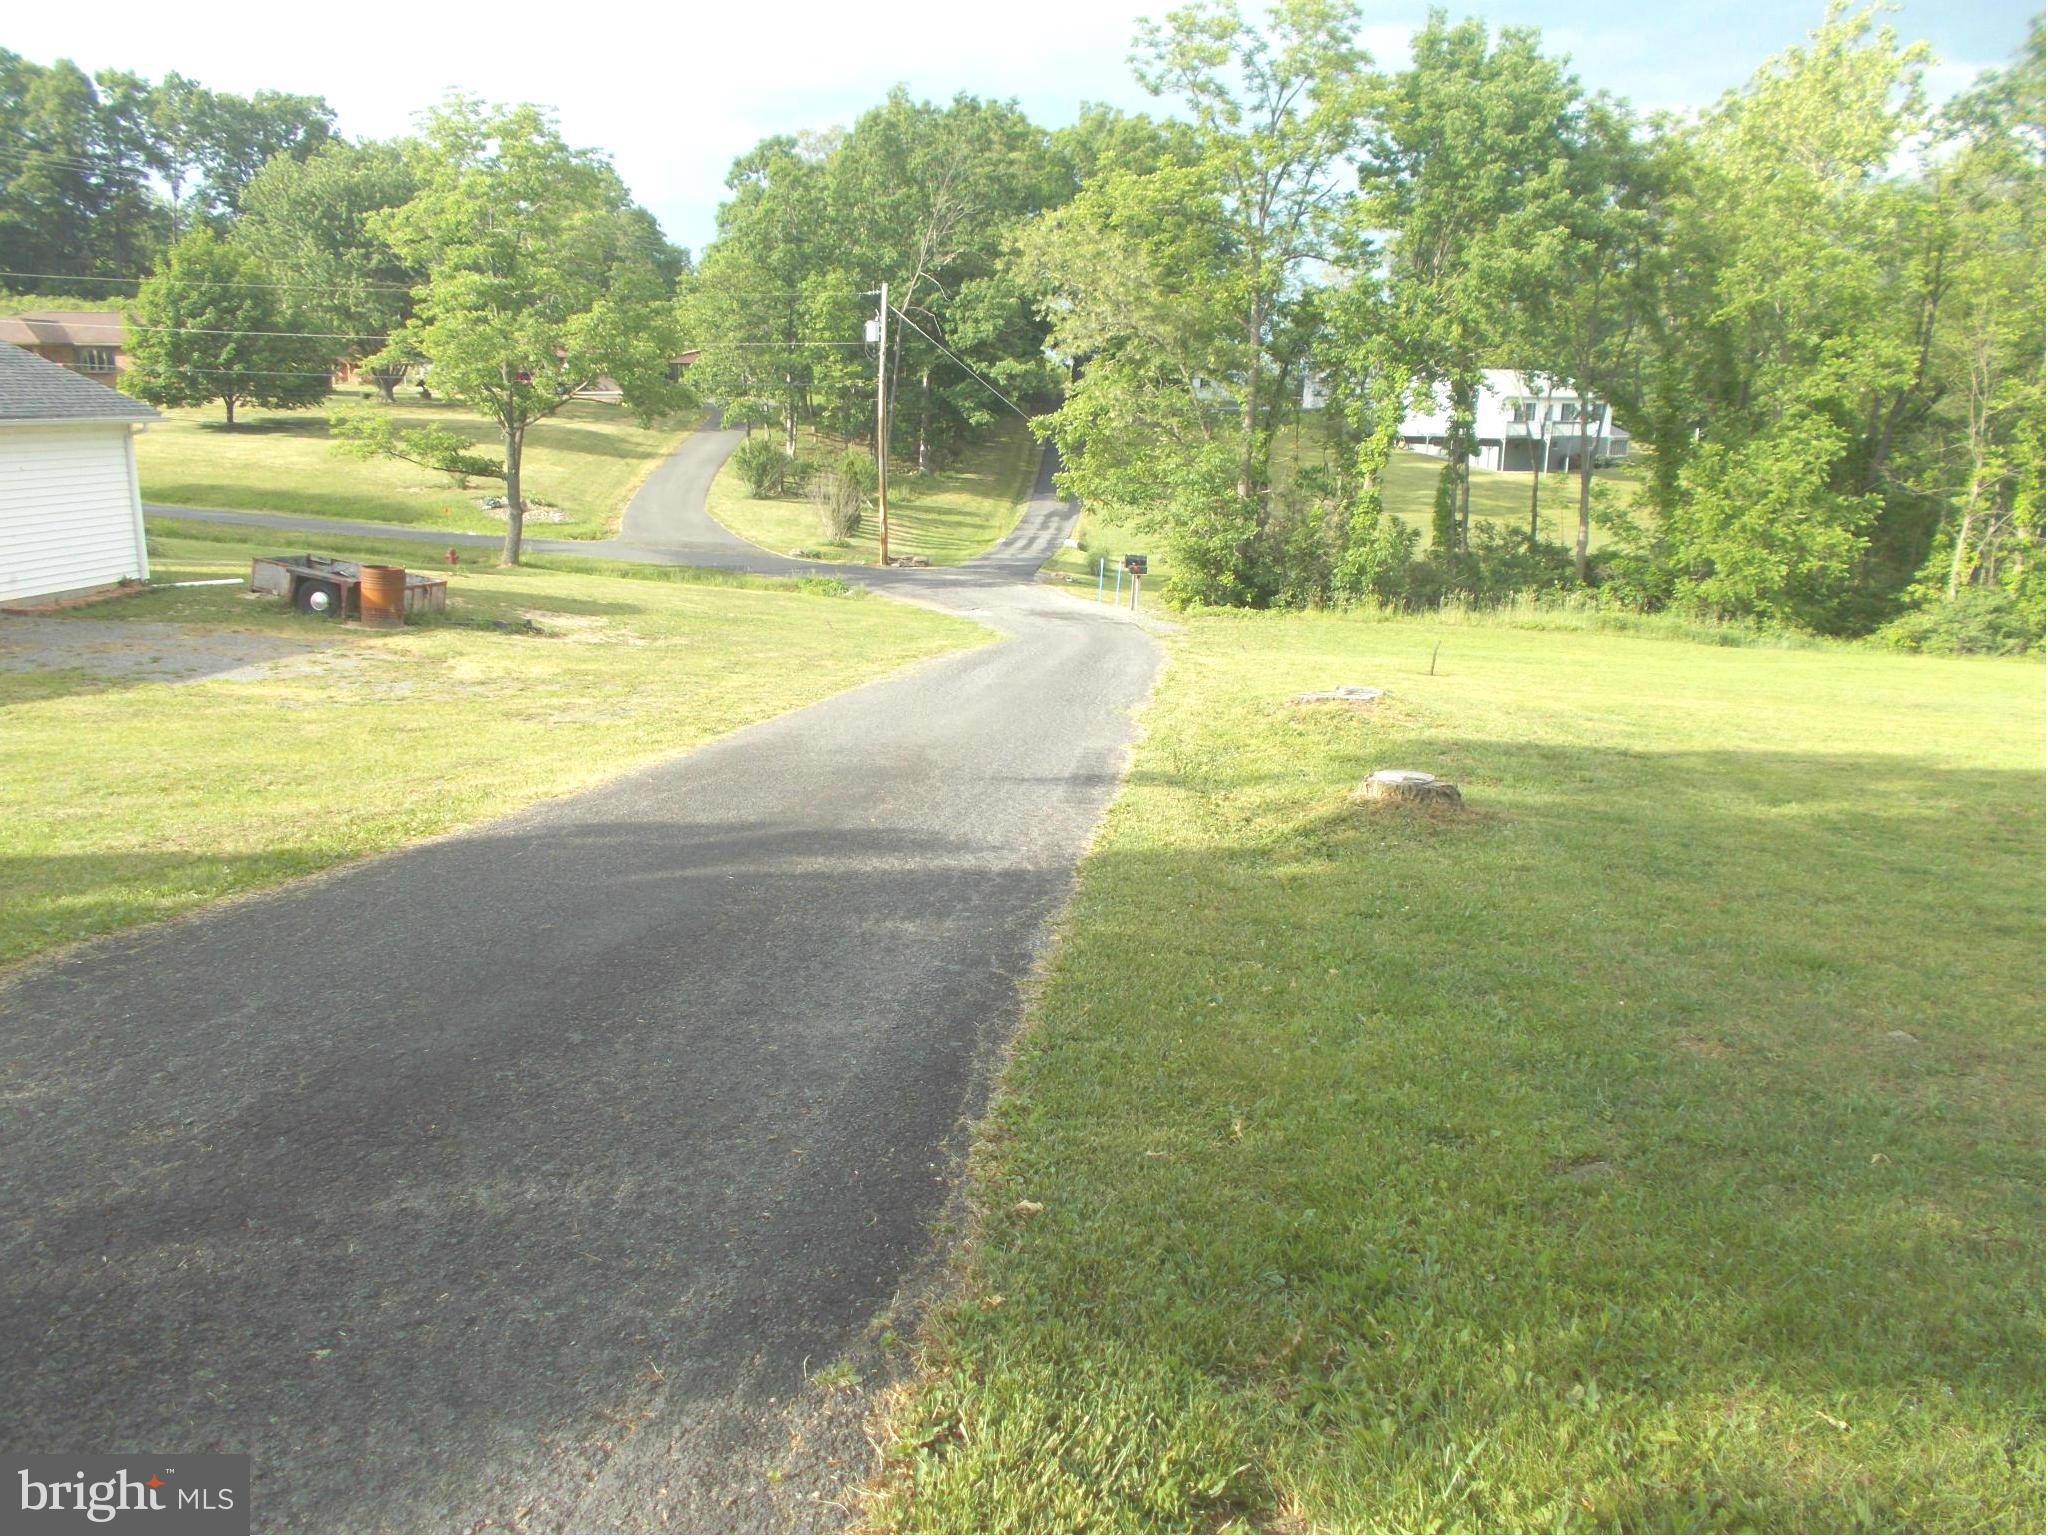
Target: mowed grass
column 1500, row 496
column 586, row 462
column 948, row 516
column 126, row 801
column 1657, row 1145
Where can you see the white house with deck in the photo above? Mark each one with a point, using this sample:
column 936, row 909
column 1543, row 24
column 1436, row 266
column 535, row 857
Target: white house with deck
column 1520, row 418
column 70, row 511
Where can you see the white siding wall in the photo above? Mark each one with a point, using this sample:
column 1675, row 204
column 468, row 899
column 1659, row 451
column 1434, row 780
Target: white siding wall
column 69, row 517
column 1490, row 409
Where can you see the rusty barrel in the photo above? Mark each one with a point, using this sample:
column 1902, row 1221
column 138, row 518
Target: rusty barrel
column 383, row 595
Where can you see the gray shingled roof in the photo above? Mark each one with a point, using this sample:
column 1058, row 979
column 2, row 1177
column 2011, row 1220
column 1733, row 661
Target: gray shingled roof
column 35, row 389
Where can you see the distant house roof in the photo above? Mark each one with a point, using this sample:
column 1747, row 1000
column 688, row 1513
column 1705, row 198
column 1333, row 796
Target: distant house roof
column 34, row 389
column 65, row 328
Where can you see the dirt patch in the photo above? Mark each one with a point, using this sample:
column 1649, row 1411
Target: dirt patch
column 143, row 650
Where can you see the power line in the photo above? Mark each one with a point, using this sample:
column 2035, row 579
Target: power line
column 254, row 373
column 702, row 346
column 66, row 161
column 81, row 277
column 118, row 331
column 984, row 383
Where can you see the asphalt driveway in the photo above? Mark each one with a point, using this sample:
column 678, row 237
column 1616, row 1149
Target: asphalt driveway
column 521, row 1179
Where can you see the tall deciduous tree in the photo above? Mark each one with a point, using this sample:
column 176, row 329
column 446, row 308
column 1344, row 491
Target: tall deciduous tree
column 1169, row 280
column 777, row 265
column 1800, row 281
column 1140, row 282
column 1466, row 145
column 75, row 164
column 535, row 284
column 1983, row 457
column 917, row 195
column 1573, row 259
column 309, row 222
column 211, row 325
column 208, row 144
column 1277, row 107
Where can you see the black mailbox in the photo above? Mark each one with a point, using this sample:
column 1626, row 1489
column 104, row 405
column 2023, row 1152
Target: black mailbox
column 1135, row 564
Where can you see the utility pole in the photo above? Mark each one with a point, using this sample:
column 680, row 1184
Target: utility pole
column 882, row 424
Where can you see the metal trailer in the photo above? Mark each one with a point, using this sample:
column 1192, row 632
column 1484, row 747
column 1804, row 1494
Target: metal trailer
column 330, row 588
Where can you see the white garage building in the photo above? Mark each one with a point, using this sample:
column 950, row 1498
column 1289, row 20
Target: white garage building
column 70, row 512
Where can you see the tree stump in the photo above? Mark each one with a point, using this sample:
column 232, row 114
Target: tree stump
column 1412, row 787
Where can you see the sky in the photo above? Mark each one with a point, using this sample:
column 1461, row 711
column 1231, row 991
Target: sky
column 675, row 92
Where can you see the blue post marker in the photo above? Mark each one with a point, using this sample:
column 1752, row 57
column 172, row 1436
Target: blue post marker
column 1119, row 585
column 1101, row 570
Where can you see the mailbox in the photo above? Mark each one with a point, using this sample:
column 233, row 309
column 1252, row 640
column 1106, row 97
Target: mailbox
column 1135, row 564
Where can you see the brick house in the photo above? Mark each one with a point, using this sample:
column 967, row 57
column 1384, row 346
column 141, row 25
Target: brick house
column 93, row 342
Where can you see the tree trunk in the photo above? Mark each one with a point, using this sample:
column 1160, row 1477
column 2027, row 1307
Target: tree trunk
column 1541, row 452
column 515, row 505
column 387, row 384
column 789, row 416
column 1465, row 503
column 1462, row 407
column 924, row 422
column 229, row 401
column 1254, row 333
column 1955, row 566
column 1585, row 498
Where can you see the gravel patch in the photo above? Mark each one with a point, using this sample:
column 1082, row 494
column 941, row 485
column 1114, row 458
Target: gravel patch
column 142, row 650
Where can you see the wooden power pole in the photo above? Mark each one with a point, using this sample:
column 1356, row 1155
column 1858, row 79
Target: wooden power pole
column 882, row 425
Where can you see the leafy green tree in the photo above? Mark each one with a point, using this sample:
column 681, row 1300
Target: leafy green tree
column 926, row 197
column 753, row 303
column 534, row 284
column 1170, row 278
column 309, row 222
column 369, row 433
column 210, row 144
column 1984, row 455
column 1276, row 109
column 75, row 166
column 917, row 195
column 1574, row 259
column 1464, row 154
column 211, row 326
column 1139, row 279
column 1799, row 285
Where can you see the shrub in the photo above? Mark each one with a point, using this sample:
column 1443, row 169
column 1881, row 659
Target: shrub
column 763, row 466
column 839, row 491
column 1981, row 621
column 858, row 470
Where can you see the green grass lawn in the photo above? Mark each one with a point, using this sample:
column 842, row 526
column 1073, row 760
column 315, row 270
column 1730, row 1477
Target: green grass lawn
column 1497, row 495
column 1655, row 1145
column 586, row 462
column 126, row 801
column 948, row 516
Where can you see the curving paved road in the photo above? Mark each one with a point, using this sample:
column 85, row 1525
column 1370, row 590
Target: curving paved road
column 515, row 1180
column 664, row 523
